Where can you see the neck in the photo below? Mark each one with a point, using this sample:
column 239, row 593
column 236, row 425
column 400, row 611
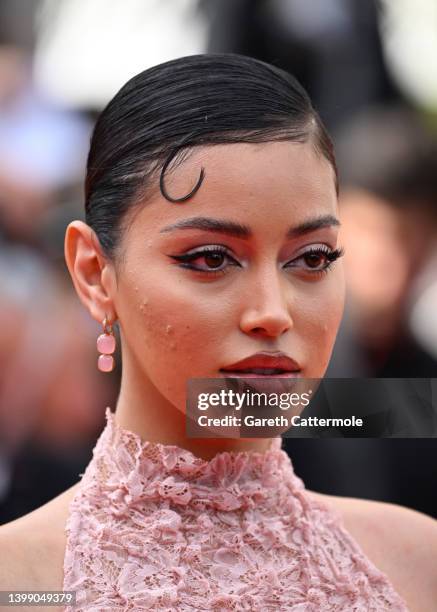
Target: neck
column 146, row 412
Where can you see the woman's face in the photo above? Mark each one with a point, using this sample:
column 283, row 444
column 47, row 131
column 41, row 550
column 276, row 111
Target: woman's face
column 185, row 313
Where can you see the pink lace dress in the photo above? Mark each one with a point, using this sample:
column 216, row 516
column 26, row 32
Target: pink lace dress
column 153, row 527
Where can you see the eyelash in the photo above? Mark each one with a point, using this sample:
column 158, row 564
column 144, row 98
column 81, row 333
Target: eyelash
column 331, row 256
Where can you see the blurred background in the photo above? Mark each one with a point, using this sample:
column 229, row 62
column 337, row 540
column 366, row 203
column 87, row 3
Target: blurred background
column 371, row 70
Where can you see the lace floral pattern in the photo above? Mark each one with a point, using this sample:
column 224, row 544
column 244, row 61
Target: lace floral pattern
column 153, row 527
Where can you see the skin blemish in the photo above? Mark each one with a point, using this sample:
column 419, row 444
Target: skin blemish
column 143, row 305
column 168, row 329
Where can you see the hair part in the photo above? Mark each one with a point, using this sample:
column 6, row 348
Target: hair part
column 161, row 114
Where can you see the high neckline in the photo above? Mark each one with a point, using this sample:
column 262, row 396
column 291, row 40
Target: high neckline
column 192, row 458
column 133, row 470
column 153, row 526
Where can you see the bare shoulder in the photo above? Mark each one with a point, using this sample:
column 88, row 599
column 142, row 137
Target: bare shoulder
column 32, row 547
column 400, row 542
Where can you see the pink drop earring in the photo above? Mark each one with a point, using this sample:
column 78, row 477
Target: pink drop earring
column 106, row 346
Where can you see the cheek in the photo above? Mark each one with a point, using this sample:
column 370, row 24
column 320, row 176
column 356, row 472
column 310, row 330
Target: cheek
column 174, row 331
column 319, row 322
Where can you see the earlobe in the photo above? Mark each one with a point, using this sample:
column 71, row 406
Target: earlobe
column 86, row 264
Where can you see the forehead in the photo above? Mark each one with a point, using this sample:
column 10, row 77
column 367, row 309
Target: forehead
column 266, row 183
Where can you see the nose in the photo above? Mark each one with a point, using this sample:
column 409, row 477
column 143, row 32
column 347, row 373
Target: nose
column 267, row 310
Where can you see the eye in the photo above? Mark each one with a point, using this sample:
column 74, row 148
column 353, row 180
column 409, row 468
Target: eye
column 317, row 259
column 214, row 256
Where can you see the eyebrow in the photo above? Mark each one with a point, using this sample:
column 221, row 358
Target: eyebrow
column 239, row 230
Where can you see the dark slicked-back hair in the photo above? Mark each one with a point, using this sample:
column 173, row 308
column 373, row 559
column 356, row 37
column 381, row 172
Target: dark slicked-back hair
column 159, row 115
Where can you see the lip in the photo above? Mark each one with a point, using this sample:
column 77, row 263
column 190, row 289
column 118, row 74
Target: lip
column 263, row 359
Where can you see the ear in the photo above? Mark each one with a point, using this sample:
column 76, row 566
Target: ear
column 92, row 274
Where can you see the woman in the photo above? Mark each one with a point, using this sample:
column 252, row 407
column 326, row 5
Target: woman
column 211, row 237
